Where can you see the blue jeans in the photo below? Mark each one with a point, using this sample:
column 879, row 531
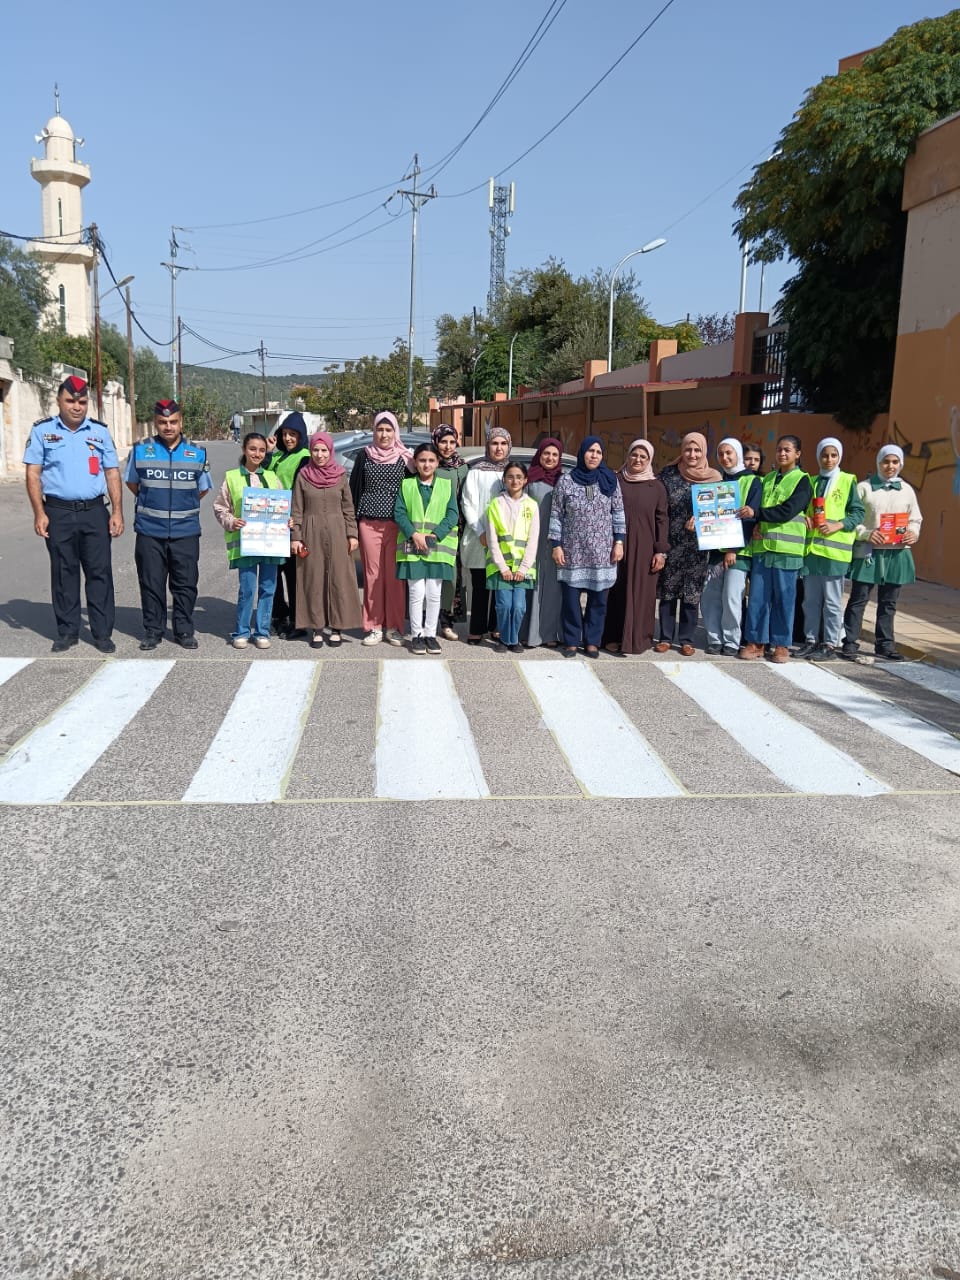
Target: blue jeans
column 511, row 606
column 773, row 594
column 247, row 590
column 585, row 627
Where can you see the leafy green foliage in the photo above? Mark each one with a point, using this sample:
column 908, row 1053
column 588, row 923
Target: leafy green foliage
column 204, row 417
column 152, row 382
column 23, row 295
column 829, row 198
column 57, row 347
column 351, row 396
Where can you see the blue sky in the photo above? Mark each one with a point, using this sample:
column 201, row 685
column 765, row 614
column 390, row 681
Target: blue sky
column 199, row 114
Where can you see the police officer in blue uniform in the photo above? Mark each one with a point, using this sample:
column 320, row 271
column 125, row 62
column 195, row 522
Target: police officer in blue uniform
column 72, row 467
column 169, row 476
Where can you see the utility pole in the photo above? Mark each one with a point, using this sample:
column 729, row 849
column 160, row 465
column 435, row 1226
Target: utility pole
column 263, row 380
column 416, row 198
column 98, row 371
column 131, row 391
column 173, row 267
column 178, row 381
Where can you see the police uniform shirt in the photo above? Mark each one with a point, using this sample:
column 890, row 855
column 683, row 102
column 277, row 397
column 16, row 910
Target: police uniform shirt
column 72, row 462
column 185, row 451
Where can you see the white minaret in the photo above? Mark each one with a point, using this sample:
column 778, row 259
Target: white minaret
column 62, row 179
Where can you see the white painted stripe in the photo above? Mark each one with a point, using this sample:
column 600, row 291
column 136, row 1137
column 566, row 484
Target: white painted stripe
column 48, row 764
column 791, row 751
column 425, row 750
column 248, row 760
column 604, row 749
column 10, row 666
column 945, row 683
column 935, row 745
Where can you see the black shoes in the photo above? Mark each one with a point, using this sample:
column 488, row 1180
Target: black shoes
column 433, row 645
column 516, row 648
column 823, row 653
column 149, row 643
column 418, row 645
column 714, row 650
column 889, row 655
column 185, row 642
column 803, row 650
column 63, row 643
column 105, row 645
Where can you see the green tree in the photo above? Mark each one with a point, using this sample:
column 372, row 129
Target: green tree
column 829, row 198
column 24, row 293
column 716, row 327
column 152, row 382
column 204, row 416
column 305, row 396
column 351, row 396
column 77, row 349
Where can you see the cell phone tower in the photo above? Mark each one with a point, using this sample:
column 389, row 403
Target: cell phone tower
column 501, row 204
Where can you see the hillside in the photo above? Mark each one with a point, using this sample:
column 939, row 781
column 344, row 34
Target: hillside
column 244, row 390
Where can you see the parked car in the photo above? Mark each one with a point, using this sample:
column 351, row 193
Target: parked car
column 347, row 448
column 519, row 453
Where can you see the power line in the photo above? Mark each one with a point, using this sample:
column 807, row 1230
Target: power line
column 296, row 213
column 286, row 259
column 101, row 248
column 576, row 106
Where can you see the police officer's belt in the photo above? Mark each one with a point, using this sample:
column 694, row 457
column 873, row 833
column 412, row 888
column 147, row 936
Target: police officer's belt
column 74, row 506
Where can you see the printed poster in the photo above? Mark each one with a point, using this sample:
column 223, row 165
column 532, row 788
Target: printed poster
column 893, row 525
column 715, row 504
column 267, row 528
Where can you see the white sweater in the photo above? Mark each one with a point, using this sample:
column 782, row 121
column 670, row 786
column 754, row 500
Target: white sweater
column 878, row 502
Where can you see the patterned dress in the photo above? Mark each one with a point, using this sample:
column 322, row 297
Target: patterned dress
column 686, row 569
column 585, row 523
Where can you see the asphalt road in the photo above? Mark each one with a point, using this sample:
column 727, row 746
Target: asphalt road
column 308, row 1029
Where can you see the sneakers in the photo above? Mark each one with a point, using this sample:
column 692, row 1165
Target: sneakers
column 714, row 650
column 825, row 653
column 780, row 654
column 418, row 645
column 240, row 642
column 374, row 637
column 804, row 650
column 448, row 632
column 749, row 652
column 515, row 648
column 261, row 642
column 393, row 637
column 433, row 645
column 730, row 651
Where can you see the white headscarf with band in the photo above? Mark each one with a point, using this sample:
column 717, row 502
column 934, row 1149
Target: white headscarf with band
column 833, row 473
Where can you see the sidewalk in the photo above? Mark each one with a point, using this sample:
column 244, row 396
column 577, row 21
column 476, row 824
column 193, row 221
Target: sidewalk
column 927, row 624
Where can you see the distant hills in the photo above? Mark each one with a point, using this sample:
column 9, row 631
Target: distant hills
column 244, row 390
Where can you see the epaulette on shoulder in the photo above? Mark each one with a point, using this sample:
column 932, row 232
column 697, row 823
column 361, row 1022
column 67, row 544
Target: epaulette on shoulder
column 97, row 423
column 40, row 421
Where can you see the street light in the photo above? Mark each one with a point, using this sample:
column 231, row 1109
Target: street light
column 96, row 333
column 647, row 248
column 510, row 367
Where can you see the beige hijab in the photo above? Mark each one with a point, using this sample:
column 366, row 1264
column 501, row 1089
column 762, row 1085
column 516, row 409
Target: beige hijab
column 647, row 472
column 702, row 471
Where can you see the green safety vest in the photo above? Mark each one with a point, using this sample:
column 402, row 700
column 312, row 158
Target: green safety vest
column 284, row 466
column 833, row 546
column 790, row 537
column 235, row 487
column 444, row 552
column 513, row 543
column 745, row 483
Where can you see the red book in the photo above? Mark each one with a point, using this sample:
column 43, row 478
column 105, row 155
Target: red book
column 893, row 525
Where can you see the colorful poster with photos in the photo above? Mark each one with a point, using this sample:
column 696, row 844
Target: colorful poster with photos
column 715, row 504
column 266, row 531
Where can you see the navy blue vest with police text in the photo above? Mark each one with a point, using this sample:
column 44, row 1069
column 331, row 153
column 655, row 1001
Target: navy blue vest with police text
column 168, row 500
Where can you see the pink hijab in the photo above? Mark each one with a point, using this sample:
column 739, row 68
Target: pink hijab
column 393, row 451
column 331, row 471
column 647, row 472
column 702, row 470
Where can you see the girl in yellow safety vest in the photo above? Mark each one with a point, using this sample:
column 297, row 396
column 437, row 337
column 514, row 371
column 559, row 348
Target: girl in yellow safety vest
column 426, row 513
column 513, row 533
column 832, row 518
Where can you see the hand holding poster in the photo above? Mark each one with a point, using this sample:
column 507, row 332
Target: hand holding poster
column 893, row 525
column 715, row 506
column 266, row 516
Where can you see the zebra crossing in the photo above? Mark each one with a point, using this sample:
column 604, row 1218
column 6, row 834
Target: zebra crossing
column 442, row 730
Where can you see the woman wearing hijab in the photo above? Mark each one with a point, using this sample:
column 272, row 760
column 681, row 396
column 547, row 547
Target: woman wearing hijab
column 587, row 531
column 292, row 450
column 777, row 555
column 542, row 622
column 483, row 482
column 374, row 484
column 685, row 571
column 721, row 602
column 324, row 525
column 881, row 554
column 832, row 518
column 632, row 603
column 453, row 468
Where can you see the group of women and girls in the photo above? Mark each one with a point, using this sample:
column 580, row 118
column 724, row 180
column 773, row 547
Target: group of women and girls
column 575, row 561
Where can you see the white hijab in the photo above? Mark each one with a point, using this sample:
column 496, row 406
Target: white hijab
column 834, row 472
column 734, row 444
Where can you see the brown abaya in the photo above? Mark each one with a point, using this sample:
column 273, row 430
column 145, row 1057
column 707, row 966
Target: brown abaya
column 632, row 602
column 323, row 520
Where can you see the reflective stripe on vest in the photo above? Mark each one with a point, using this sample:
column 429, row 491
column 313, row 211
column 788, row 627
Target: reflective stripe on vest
column 745, row 483
column 790, row 537
column 835, row 546
column 444, row 552
column 235, row 487
column 167, row 502
column 512, row 544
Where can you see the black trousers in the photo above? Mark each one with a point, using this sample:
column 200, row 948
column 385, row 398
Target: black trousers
column 285, row 597
column 161, row 561
column 668, row 621
column 483, row 604
column 80, row 540
column 887, row 596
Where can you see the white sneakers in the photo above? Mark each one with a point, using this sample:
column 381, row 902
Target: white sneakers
column 372, row 637
column 262, row 642
column 240, row 642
